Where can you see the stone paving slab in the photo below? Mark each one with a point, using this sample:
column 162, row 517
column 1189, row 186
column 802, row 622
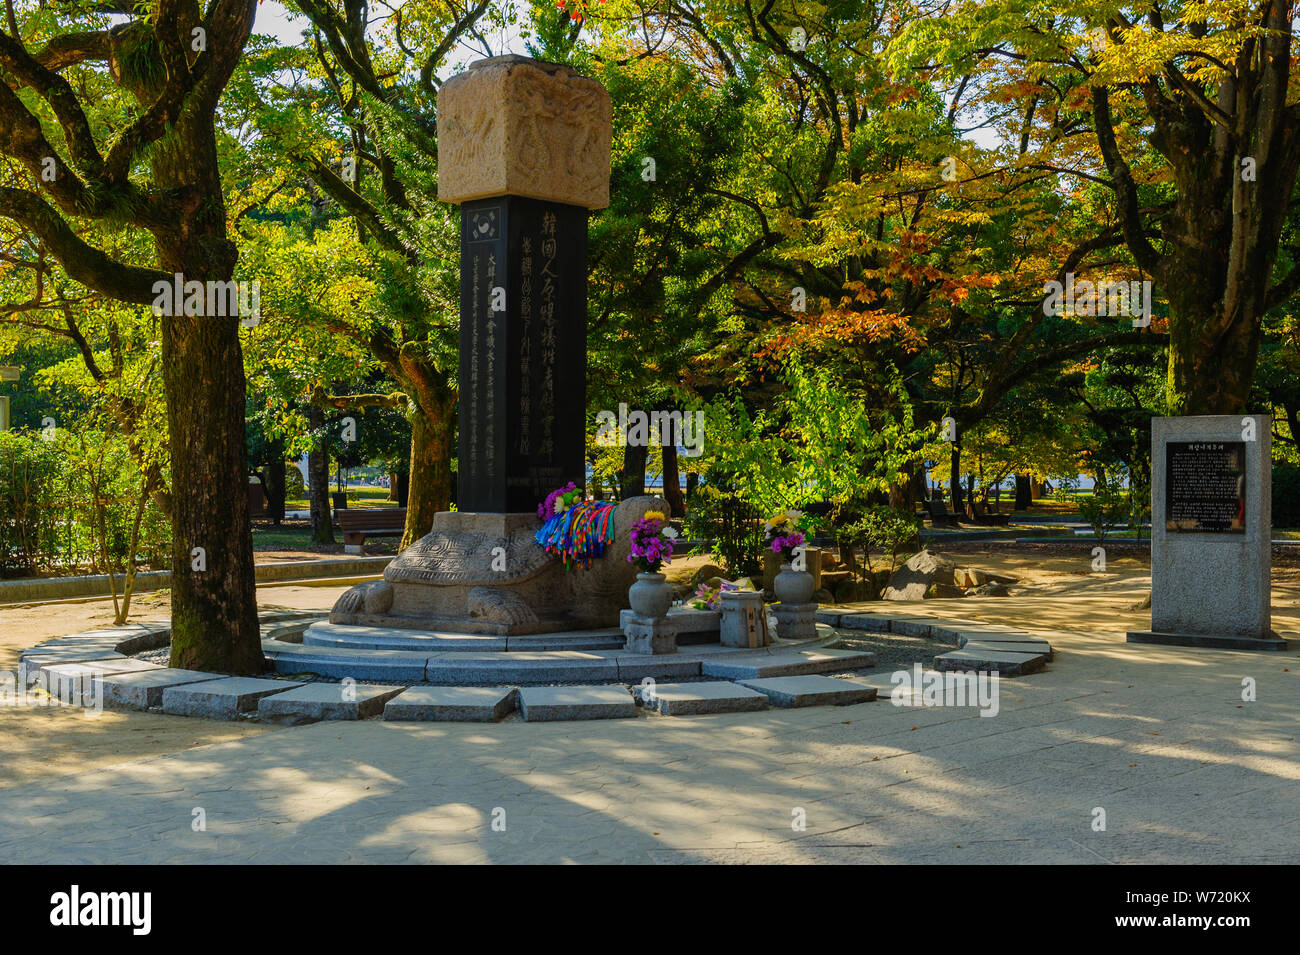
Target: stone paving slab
column 222, row 699
column 464, row 704
column 1015, row 646
column 326, row 701
column 556, row 666
column 872, row 622
column 692, row 699
column 1006, row 662
column 811, row 690
column 541, row 703
column 75, row 682
column 753, row 667
column 143, row 689
column 73, row 653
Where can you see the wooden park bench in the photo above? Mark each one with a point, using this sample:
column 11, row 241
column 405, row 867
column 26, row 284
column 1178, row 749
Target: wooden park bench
column 937, row 509
column 358, row 523
column 980, row 514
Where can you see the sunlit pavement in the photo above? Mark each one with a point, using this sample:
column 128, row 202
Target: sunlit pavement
column 1116, row 753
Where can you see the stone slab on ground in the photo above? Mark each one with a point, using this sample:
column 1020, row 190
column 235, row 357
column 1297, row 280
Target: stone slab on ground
column 558, row 666
column 326, row 701
column 142, row 689
column 787, row 663
column 73, row 682
column 464, row 704
column 859, row 620
column 1015, row 646
column 1005, row 662
column 539, row 703
column 692, row 699
column 222, row 699
column 37, row 657
column 811, row 690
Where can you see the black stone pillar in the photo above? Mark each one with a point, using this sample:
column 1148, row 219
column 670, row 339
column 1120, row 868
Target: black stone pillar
column 523, row 352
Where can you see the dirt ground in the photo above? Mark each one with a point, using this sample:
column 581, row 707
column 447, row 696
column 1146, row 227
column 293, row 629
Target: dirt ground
column 1056, row 591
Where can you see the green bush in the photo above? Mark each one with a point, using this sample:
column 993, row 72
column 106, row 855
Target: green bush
column 50, row 515
column 713, row 513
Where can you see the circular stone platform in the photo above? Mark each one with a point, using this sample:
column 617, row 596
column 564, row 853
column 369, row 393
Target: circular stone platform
column 331, row 672
column 588, row 656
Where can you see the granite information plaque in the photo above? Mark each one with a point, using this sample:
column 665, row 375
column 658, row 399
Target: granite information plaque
column 1205, row 487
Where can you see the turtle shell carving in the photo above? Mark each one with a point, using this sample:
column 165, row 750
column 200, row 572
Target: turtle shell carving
column 468, row 559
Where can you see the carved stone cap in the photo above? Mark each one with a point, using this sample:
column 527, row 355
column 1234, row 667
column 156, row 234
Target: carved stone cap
column 515, row 126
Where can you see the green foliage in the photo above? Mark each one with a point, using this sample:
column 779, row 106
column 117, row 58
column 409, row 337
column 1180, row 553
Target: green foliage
column 1108, row 505
column 882, row 528
column 816, row 443
column 715, row 512
column 64, row 502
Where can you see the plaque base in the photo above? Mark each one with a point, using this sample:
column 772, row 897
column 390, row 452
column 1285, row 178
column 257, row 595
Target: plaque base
column 1208, row 641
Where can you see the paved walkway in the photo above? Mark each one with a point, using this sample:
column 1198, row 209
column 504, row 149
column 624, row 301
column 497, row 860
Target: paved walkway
column 1159, row 738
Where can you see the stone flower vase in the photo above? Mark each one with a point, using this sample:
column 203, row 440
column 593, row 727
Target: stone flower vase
column 793, row 586
column 650, row 596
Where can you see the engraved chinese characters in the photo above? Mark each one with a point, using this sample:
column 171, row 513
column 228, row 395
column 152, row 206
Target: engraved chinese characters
column 523, row 352
column 1205, row 486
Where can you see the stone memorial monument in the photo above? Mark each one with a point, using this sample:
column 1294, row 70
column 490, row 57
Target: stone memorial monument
column 1211, row 533
column 524, row 149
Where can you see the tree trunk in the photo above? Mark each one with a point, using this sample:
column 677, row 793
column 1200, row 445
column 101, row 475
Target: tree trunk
column 673, row 482
column 692, row 482
column 213, row 596
column 392, row 486
column 1023, row 497
column 632, row 477
column 954, row 477
column 318, row 476
column 274, row 483
column 430, row 479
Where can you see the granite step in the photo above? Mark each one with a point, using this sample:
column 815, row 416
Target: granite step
column 811, row 690
column 466, row 704
column 545, row 703
column 778, row 662
column 1005, row 662
column 75, row 682
column 694, row 699
column 361, row 637
column 221, row 699
column 313, row 702
column 142, row 689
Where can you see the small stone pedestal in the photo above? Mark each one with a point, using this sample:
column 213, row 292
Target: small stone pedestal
column 650, row 635
column 796, row 621
column 744, row 620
